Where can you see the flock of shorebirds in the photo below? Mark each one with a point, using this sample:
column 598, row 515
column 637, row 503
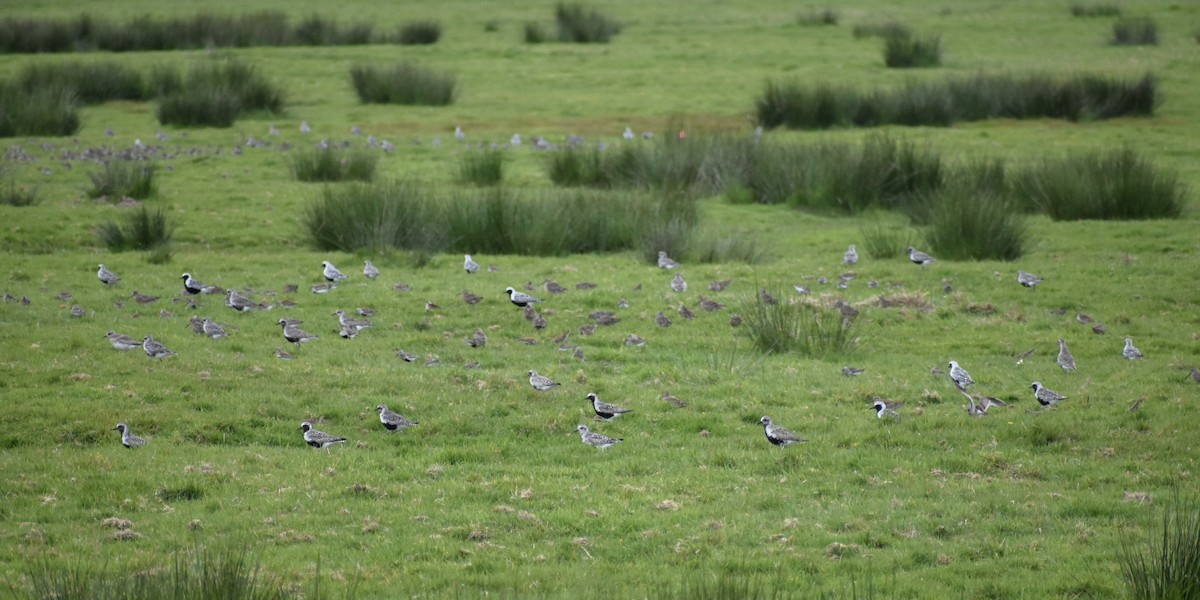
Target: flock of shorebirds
column 393, row 421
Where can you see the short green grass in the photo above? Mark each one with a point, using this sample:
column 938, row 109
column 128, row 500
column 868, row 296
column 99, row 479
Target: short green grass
column 493, row 492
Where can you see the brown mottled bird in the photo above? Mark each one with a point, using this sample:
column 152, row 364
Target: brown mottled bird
column 710, row 305
column 553, row 287
column 662, row 320
column 686, row 312
column 470, row 298
column 676, row 402
column 142, row 298
column 735, row 320
column 478, row 340
column 717, row 286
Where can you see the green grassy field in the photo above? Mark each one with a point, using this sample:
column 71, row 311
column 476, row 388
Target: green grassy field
column 493, row 492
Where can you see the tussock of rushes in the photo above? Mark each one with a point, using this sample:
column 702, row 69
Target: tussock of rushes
column 402, row 83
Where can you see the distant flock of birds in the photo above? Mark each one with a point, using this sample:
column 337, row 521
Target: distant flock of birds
column 393, row 421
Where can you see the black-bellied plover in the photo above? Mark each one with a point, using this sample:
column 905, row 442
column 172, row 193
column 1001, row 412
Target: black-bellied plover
column 962, row 380
column 851, row 371
column 1065, row 360
column 127, row 438
column 77, row 311
column 478, row 340
column 239, row 302
column 470, row 265
column 598, row 440
column 981, row 409
column 1046, row 396
column 370, row 270
column 331, row 273
column 851, row 256
column 1130, row 352
column 192, row 286
column 121, row 341
column 778, row 435
column 154, row 349
column 520, row 298
column 1028, row 279
column 605, row 410
column 884, row 408
column 393, row 421
column 541, row 383
column 407, row 357
column 678, row 284
column 213, row 329
column 634, row 339
column 665, row 262
column 919, row 258
column 107, row 277
column 318, row 439
column 349, row 322
column 293, row 333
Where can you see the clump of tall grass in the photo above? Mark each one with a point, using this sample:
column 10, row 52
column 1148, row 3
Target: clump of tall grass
column 123, row 178
column 43, row 112
column 821, row 105
column 404, row 216
column 1080, row 9
column 419, row 33
column 213, row 94
column 329, row 165
column 1117, row 185
column 90, row 83
column 883, row 29
column 141, row 229
column 698, row 164
column 880, row 241
column 262, row 28
column 482, row 167
column 910, row 51
column 11, row 195
column 206, row 574
column 966, row 224
column 805, row 329
column 1167, row 564
column 815, row 17
column 1135, row 31
column 535, row 33
column 402, row 83
column 583, row 25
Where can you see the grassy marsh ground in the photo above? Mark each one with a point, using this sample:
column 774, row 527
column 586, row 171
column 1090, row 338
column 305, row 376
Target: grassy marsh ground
column 493, row 492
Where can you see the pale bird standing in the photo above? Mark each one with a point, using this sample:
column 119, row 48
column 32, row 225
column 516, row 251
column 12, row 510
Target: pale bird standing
column 107, row 277
column 884, row 408
column 851, row 256
column 1046, row 396
column 1065, row 360
column 541, row 383
column 962, row 380
column 370, row 270
column 1130, row 352
column 470, row 265
column 127, row 438
column 919, row 258
column 678, row 284
column 591, row 438
column 1028, row 279
column 778, row 435
column 331, row 273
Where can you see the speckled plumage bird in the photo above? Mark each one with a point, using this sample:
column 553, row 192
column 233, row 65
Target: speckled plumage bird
column 471, row 299
column 665, row 262
column 605, row 410
column 1046, row 396
column 962, row 380
column 318, row 439
column 370, row 270
column 884, row 408
column 851, row 256
column 1065, row 360
column 541, row 383
column 107, row 277
column 778, row 435
column 127, row 438
column 1130, row 352
column 121, row 341
column 393, row 421
column 520, row 298
column 1028, row 279
column 678, row 284
column 686, row 312
column 662, row 320
column 919, row 258
column 154, row 349
column 598, row 440
column 478, row 340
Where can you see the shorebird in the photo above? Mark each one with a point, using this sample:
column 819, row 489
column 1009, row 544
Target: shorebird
column 883, row 407
column 127, row 438
column 520, row 298
column 605, row 410
column 686, row 312
column 710, row 305
column 918, row 257
column 665, row 262
column 349, row 322
column 238, row 302
column 370, row 270
column 331, row 273
column 407, row 357
column 541, row 383
column 107, row 277
column 293, row 334
column 553, row 287
column 213, row 329
column 676, row 402
column 778, row 435
column 634, row 339
column 478, row 340
column 121, row 341
column 678, row 284
column 662, row 320
column 1046, row 396
column 279, row 353
column 1065, row 360
column 981, row 410
column 628, row 135
column 1028, row 279
column 851, row 256
column 143, row 298
column 470, row 265
column 393, row 421
column 962, row 380
column 318, row 439
column 598, row 440
column 193, row 286
column 154, row 349
column 851, row 371
column 471, row 299
column 720, row 285
column 1130, row 352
